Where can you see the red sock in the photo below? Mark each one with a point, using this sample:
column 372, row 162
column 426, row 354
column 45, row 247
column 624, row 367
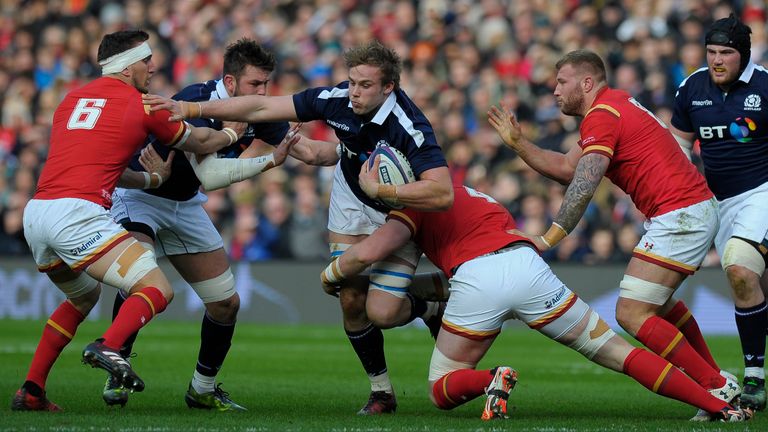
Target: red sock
column 134, row 314
column 58, row 331
column 681, row 318
column 666, row 340
column 460, row 386
column 659, row 376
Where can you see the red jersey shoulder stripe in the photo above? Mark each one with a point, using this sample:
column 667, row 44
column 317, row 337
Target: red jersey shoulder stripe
column 405, row 219
column 606, row 107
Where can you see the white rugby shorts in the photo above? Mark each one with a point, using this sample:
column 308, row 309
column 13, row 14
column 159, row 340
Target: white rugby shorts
column 679, row 240
column 744, row 215
column 180, row 227
column 69, row 231
column 488, row 290
column 347, row 214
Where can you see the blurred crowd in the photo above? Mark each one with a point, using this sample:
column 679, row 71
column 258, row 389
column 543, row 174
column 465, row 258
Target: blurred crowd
column 461, row 57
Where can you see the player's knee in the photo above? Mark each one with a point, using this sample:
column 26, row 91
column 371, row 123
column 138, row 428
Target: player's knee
column 216, row 289
column 594, row 335
column 439, row 367
column 352, row 302
column 224, row 311
column 84, row 303
column 383, row 317
column 745, row 254
column 80, row 288
column 744, row 282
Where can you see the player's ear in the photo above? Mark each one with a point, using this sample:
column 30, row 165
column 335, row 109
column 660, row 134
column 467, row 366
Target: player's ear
column 587, row 84
column 388, row 87
column 230, row 82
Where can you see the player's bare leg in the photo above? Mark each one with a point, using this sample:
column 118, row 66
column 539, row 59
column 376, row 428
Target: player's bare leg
column 641, row 319
column 83, row 293
column 751, row 320
column 595, row 340
column 131, row 267
column 453, row 379
column 210, row 276
column 367, row 340
column 114, row 392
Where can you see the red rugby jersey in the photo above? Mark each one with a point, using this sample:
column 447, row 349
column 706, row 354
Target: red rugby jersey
column 646, row 161
column 475, row 225
column 96, row 130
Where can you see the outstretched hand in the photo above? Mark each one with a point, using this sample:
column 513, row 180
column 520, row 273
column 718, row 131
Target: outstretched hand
column 284, row 148
column 369, row 178
column 154, row 163
column 157, row 103
column 505, row 123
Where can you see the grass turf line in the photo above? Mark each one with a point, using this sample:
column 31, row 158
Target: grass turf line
column 307, row 378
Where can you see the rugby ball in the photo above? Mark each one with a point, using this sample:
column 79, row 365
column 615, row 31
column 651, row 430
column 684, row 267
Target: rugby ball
column 394, row 168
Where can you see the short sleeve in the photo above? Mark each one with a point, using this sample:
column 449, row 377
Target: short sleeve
column 600, row 131
column 409, row 218
column 680, row 119
column 165, row 131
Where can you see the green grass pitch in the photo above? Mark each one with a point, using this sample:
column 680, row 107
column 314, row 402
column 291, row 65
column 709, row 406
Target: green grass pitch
column 307, row 378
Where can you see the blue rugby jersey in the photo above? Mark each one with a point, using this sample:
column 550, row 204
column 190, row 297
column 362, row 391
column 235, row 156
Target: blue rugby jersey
column 183, row 183
column 398, row 123
column 732, row 128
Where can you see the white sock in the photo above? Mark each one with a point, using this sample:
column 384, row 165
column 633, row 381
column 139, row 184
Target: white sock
column 203, row 384
column 381, row 383
column 756, row 372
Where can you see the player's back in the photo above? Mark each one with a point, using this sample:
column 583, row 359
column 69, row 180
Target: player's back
column 646, row 161
column 475, row 225
column 96, row 129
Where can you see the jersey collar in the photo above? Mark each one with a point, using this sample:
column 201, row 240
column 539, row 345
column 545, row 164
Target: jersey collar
column 221, row 91
column 385, row 109
column 747, row 74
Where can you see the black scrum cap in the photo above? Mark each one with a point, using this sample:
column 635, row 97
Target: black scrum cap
column 732, row 33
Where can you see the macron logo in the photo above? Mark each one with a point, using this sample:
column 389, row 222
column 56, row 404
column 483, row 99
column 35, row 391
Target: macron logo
column 702, row 103
column 341, row 126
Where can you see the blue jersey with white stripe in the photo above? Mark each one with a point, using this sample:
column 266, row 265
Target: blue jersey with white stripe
column 732, row 128
column 397, row 123
column 183, row 183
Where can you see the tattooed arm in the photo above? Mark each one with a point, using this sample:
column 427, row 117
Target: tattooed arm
column 589, row 172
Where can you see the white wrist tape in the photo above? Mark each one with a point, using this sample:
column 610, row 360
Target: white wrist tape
column 118, row 62
column 215, row 173
column 231, row 134
column 148, row 184
column 333, row 273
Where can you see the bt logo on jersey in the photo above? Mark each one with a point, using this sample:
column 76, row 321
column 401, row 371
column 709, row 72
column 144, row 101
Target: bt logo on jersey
column 741, row 127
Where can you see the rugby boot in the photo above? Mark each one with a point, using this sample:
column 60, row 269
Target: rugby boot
column 753, row 394
column 727, row 393
column 731, row 414
column 98, row 355
column 379, row 402
column 23, row 401
column 504, row 380
column 217, row 400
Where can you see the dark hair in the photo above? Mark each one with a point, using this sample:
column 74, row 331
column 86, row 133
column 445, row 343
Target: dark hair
column 117, row 42
column 376, row 54
column 732, row 33
column 584, row 59
column 247, row 52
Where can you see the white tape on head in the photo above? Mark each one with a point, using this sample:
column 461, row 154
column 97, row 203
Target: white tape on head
column 118, row 62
